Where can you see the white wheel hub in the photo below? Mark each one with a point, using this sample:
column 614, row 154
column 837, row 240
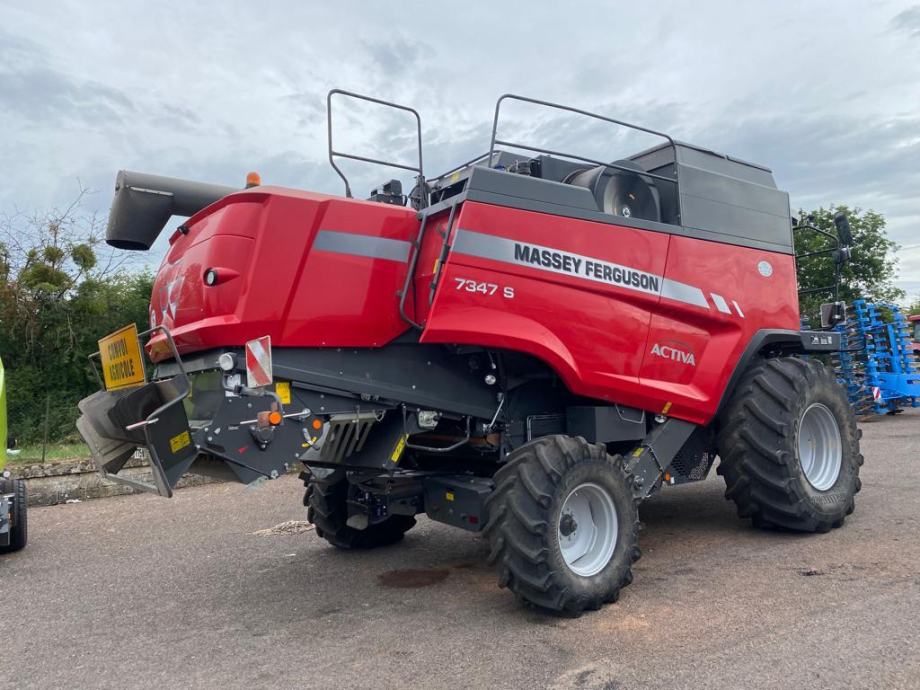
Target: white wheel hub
column 819, row 445
column 588, row 529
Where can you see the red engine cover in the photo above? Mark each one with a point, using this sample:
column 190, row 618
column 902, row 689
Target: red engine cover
column 307, row 269
column 643, row 318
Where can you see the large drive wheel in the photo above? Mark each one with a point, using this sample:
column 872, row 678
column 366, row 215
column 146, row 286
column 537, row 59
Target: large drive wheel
column 327, row 510
column 19, row 527
column 563, row 524
column 789, row 447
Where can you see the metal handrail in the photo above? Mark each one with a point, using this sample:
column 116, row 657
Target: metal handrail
column 592, row 161
column 410, row 273
column 420, row 178
column 838, row 268
column 510, row 96
column 442, row 256
column 413, row 263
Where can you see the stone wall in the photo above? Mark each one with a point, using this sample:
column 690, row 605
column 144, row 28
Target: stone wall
column 65, row 480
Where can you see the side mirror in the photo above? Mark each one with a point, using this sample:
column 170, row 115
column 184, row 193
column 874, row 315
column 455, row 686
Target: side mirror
column 843, row 229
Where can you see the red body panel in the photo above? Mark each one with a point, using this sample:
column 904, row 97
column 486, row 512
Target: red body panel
column 271, row 279
column 717, row 339
column 600, row 337
column 670, row 343
column 592, row 335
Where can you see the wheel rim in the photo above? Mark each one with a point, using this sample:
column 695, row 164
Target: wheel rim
column 587, row 529
column 820, row 449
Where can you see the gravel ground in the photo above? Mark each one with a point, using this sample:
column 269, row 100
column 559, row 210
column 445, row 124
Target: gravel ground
column 200, row 591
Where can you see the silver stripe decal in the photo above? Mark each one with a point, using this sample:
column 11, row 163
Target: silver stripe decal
column 681, row 292
column 510, row 251
column 721, row 304
column 362, row 245
column 738, row 307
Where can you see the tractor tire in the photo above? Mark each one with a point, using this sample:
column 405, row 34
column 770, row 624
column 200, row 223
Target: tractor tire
column 789, row 447
column 563, row 524
column 327, row 510
column 19, row 527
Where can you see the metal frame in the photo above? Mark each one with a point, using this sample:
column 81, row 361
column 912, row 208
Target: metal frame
column 175, row 352
column 527, row 147
column 420, row 177
column 838, row 268
column 161, row 488
column 433, row 449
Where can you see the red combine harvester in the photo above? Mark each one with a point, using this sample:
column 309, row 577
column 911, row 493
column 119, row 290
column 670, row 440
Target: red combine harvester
column 528, row 345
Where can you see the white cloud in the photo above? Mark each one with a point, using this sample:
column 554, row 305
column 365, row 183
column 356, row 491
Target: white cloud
column 827, row 95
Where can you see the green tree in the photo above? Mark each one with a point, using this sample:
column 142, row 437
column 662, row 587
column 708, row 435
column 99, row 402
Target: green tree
column 869, row 274
column 60, row 288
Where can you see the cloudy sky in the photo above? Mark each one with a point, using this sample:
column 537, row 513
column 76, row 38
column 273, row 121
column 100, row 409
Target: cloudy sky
column 827, row 94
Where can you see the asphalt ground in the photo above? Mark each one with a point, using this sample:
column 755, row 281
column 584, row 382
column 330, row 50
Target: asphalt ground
column 141, row 591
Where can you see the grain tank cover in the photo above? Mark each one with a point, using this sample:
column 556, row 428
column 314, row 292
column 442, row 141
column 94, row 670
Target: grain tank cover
column 722, row 198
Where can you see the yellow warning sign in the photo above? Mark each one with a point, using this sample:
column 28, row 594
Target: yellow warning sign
column 180, row 441
column 283, row 389
column 120, row 355
column 398, row 450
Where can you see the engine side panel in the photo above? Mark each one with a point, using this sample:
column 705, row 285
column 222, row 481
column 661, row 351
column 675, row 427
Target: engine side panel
column 631, row 316
column 692, row 351
column 592, row 331
column 307, row 269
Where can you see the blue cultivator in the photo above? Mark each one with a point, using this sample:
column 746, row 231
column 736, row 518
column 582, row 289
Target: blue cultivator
column 876, row 363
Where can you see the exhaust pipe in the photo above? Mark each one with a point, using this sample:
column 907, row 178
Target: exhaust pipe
column 144, row 204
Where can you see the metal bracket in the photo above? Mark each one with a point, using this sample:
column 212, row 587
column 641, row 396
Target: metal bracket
column 434, row 449
column 654, row 455
column 183, row 387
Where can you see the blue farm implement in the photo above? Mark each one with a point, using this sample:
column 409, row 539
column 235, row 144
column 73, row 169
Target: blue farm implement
column 876, row 362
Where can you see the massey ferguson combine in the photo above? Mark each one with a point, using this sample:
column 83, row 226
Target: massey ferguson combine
column 527, row 346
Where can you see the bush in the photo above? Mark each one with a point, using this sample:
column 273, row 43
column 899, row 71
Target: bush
column 56, row 299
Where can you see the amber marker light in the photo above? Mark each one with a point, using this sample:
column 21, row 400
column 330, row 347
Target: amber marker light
column 274, row 418
column 253, row 179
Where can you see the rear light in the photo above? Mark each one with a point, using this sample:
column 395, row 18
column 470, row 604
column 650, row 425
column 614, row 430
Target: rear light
column 227, row 361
